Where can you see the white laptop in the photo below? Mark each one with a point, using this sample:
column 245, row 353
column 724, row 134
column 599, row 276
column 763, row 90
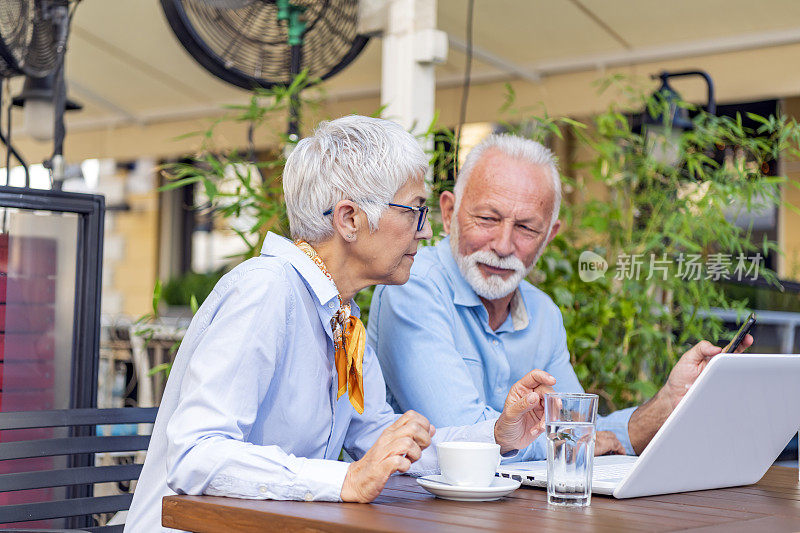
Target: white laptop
column 727, row 431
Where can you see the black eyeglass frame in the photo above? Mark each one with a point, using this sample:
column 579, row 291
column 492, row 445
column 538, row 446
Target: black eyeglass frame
column 422, row 210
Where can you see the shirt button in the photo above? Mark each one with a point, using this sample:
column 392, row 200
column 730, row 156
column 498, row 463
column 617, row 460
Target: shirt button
column 330, row 305
column 495, row 342
column 308, row 497
column 262, row 489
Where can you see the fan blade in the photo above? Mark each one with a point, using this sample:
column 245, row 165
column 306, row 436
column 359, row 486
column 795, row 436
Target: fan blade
column 226, row 4
column 42, row 56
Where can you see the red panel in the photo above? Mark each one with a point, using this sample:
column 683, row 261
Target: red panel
column 27, row 346
column 31, row 290
column 28, row 256
column 3, row 273
column 27, row 351
column 3, row 286
column 32, row 464
column 22, row 376
column 27, row 318
column 28, row 372
column 25, row 496
column 16, row 435
column 27, row 401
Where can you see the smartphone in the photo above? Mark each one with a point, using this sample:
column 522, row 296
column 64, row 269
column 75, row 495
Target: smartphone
column 737, row 340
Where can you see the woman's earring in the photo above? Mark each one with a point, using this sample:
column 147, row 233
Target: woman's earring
column 351, row 236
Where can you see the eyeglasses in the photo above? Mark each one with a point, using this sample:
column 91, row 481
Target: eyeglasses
column 422, row 210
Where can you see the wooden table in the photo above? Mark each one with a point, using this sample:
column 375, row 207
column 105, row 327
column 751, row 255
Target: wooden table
column 773, row 504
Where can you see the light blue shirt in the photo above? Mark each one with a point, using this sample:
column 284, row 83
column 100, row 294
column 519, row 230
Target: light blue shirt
column 441, row 358
column 250, row 408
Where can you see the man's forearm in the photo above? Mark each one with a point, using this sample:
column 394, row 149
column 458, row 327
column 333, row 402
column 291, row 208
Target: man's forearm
column 646, row 420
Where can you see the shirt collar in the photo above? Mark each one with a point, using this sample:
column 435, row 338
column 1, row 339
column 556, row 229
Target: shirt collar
column 519, row 313
column 464, row 294
column 318, row 283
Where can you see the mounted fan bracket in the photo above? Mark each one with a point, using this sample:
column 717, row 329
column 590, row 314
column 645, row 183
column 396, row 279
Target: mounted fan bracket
column 430, row 46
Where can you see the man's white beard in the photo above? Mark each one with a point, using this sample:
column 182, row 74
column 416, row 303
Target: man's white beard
column 494, row 286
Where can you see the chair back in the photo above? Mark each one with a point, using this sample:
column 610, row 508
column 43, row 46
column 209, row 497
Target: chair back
column 78, row 443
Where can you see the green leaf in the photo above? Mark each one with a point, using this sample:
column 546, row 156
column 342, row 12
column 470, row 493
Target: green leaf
column 163, row 367
column 211, row 188
column 598, row 223
column 563, row 297
column 180, row 183
column 156, row 297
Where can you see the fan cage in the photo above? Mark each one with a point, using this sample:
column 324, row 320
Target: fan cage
column 42, row 55
column 248, row 46
column 16, row 28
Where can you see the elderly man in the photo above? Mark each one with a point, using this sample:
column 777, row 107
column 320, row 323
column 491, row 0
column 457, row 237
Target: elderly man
column 452, row 341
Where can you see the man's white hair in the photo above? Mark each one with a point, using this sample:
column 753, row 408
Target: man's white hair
column 363, row 159
column 519, row 148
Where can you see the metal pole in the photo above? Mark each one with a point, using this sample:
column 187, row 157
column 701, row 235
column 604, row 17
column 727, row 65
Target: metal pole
column 60, row 16
column 295, row 61
column 295, row 20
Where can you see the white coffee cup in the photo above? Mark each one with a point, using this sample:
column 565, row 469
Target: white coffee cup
column 468, row 464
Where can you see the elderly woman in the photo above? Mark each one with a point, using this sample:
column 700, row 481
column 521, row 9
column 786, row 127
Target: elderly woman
column 273, row 378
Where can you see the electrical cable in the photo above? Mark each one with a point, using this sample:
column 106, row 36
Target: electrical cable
column 3, row 84
column 5, row 90
column 4, row 227
column 467, row 78
column 8, row 145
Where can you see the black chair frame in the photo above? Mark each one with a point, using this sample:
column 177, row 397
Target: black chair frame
column 81, row 474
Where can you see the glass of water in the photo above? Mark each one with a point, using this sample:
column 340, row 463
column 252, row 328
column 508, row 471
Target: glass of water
column 570, row 422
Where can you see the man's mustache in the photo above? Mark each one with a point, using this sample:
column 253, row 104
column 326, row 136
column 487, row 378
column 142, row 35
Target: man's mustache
column 507, row 263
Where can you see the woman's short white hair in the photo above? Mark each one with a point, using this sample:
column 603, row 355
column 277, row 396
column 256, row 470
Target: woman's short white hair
column 519, row 148
column 363, row 159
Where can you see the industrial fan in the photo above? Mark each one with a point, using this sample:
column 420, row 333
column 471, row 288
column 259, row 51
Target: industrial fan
column 264, row 43
column 33, row 40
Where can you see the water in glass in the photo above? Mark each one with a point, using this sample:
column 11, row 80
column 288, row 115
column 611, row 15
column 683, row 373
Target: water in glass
column 570, row 453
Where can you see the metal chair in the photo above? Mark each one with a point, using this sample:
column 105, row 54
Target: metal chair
column 79, row 447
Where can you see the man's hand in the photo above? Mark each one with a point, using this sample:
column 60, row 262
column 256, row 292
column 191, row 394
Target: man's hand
column 606, row 443
column 649, row 417
column 522, row 419
column 398, row 446
column 690, row 365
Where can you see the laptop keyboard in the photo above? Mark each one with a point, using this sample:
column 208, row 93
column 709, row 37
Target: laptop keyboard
column 537, row 472
column 610, row 472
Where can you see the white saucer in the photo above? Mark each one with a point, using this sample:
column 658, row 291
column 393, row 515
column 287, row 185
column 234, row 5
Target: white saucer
column 499, row 488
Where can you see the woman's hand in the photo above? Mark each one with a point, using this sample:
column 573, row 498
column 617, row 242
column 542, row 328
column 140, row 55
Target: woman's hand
column 522, row 419
column 398, row 446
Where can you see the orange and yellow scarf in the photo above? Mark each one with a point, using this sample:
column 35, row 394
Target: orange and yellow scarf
column 349, row 336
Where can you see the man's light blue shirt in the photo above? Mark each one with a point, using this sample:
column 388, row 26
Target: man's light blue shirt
column 250, row 407
column 440, row 357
